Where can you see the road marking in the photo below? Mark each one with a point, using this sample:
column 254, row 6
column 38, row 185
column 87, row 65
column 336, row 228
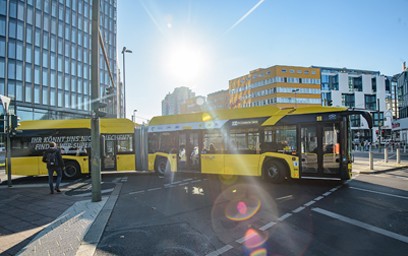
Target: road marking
column 299, row 209
column 153, row 189
column 310, row 203
column 136, row 192
column 362, row 225
column 272, row 223
column 285, row 197
column 268, row 226
column 381, row 193
column 285, row 216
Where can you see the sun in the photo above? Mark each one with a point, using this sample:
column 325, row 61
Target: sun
column 185, row 62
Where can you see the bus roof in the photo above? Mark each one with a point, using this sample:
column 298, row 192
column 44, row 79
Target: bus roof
column 107, row 125
column 273, row 112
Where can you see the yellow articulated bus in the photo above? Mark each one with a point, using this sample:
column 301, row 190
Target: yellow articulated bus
column 297, row 143
column 73, row 137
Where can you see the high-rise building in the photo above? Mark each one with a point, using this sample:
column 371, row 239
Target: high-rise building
column 172, row 103
column 45, row 56
column 283, row 86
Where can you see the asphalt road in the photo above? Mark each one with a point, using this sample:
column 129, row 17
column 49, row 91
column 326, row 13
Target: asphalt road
column 204, row 215
column 209, row 215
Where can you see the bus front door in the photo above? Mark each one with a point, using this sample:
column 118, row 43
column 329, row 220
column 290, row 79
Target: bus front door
column 108, row 155
column 320, row 151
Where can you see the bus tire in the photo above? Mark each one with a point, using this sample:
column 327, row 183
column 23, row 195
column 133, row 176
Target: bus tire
column 274, row 171
column 72, row 170
column 162, row 166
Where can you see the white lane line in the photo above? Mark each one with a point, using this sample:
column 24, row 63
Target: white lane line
column 267, row 226
column 285, row 216
column 195, row 181
column 310, row 203
column 362, row 225
column 183, row 184
column 299, row 209
column 153, row 189
column 318, row 198
column 136, row 192
column 327, row 193
column 285, row 197
column 381, row 193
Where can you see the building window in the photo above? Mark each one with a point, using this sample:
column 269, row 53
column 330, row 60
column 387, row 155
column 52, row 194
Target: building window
column 348, row 100
column 370, row 102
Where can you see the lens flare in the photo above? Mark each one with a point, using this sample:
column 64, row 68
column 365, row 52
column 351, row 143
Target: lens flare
column 239, row 207
column 228, row 179
column 254, row 239
column 243, row 209
column 259, row 252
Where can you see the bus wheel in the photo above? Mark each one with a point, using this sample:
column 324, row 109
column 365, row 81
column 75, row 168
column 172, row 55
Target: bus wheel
column 71, row 170
column 161, row 166
column 274, row 171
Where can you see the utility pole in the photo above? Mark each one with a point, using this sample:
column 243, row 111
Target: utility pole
column 379, row 125
column 95, row 105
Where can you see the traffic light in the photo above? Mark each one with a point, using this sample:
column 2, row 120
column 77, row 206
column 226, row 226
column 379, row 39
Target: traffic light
column 2, row 123
column 14, row 122
column 98, row 110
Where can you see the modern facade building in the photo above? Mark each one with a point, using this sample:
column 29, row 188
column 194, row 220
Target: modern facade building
column 401, row 125
column 218, row 100
column 361, row 89
column 283, row 86
column 171, row 105
column 45, row 56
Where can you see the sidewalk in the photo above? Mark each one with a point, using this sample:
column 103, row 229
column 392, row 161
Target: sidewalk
column 379, row 164
column 33, row 222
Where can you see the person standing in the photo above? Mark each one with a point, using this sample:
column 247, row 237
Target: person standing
column 52, row 156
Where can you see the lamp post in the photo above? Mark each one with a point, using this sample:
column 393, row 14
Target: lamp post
column 134, row 115
column 124, row 50
column 295, row 91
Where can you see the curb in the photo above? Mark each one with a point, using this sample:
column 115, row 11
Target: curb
column 94, row 234
column 386, row 170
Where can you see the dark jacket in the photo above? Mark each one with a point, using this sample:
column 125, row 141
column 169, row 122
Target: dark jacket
column 60, row 161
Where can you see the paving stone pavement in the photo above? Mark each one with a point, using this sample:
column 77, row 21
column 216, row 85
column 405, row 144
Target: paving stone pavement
column 65, row 234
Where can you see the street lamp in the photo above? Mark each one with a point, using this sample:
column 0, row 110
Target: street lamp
column 134, row 115
column 124, row 83
column 295, row 91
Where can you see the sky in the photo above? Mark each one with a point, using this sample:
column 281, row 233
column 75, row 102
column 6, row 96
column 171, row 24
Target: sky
column 202, row 44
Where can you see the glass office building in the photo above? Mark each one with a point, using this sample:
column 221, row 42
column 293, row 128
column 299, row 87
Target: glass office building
column 45, row 56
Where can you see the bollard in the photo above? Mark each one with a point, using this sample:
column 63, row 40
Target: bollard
column 386, row 154
column 370, row 159
column 398, row 155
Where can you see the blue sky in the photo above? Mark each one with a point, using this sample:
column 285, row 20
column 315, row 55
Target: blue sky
column 202, row 44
